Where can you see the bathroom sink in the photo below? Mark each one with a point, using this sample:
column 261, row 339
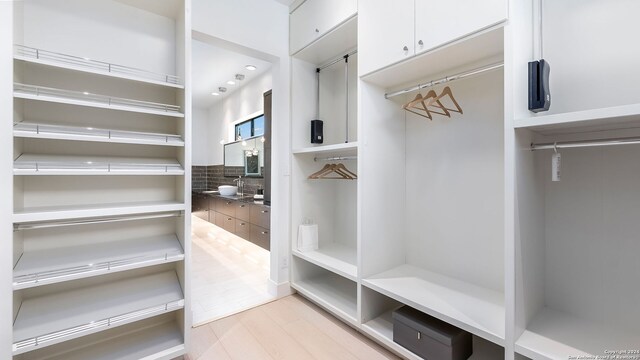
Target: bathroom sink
column 227, row 190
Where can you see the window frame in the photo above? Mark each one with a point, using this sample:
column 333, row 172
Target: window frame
column 253, row 130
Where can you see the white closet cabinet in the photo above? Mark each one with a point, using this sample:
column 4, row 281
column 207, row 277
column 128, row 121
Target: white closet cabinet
column 387, row 33
column 315, row 18
column 100, row 180
column 393, row 31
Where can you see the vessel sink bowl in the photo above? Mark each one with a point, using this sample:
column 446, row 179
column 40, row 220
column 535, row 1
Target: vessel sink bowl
column 227, row 190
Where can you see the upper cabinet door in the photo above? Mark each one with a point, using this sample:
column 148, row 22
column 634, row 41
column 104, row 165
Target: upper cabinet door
column 385, row 33
column 315, row 18
column 439, row 22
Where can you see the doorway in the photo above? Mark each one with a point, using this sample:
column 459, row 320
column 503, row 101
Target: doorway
column 231, row 112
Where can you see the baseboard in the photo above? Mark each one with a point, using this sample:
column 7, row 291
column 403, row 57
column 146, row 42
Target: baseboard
column 280, row 290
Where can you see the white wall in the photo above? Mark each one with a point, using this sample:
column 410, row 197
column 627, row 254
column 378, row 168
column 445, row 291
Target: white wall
column 241, row 105
column 6, row 177
column 262, row 26
column 202, row 141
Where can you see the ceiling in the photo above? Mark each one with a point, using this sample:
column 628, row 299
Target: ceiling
column 213, row 66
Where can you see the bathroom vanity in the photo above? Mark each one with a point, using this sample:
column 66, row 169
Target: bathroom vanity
column 242, row 216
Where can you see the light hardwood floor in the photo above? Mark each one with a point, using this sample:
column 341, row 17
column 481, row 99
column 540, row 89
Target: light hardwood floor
column 230, row 274
column 289, row 328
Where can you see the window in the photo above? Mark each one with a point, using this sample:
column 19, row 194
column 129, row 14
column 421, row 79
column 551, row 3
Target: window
column 250, row 128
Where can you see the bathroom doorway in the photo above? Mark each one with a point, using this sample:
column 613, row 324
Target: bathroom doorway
column 231, row 113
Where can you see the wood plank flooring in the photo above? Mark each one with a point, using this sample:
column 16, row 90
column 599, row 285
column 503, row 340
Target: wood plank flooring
column 289, row 328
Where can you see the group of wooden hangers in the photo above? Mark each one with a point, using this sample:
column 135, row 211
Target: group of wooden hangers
column 431, row 104
column 334, row 171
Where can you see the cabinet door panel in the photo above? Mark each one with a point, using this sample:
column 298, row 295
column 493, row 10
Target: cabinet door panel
column 385, row 28
column 315, row 18
column 440, row 22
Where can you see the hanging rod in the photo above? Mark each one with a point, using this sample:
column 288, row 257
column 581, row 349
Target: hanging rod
column 91, row 221
column 446, row 79
column 337, row 60
column 336, row 158
column 586, row 143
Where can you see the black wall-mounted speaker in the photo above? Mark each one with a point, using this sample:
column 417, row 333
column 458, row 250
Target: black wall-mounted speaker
column 316, row 132
column 539, row 95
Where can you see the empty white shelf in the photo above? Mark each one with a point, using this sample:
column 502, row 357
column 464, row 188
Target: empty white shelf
column 77, row 133
column 334, row 257
column 87, row 65
column 332, row 292
column 617, row 117
column 139, row 341
column 43, row 164
column 49, row 266
column 554, row 335
column 66, row 212
column 58, row 317
column 350, row 148
column 61, row 96
column 470, row 307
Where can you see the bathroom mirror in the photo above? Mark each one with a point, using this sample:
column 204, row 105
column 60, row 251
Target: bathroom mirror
column 244, row 157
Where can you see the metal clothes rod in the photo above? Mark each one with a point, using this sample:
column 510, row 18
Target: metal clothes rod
column 446, row 79
column 336, row 60
column 336, row 158
column 44, row 225
column 586, row 143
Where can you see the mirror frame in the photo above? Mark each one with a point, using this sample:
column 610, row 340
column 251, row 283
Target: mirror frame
column 244, row 157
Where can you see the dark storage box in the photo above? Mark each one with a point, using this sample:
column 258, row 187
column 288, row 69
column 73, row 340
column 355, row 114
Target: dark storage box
column 428, row 337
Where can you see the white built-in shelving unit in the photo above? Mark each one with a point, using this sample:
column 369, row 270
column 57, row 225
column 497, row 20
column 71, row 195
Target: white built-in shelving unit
column 459, row 217
column 100, row 262
column 328, row 275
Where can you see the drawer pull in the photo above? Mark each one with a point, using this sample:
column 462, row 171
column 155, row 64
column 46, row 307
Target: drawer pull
column 229, row 219
column 242, row 205
column 264, row 232
column 419, row 336
column 264, row 211
column 242, row 224
column 228, row 202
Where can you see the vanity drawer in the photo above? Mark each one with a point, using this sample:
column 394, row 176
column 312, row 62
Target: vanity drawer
column 226, row 222
column 227, row 207
column 260, row 236
column 261, row 216
column 243, row 211
column 243, row 229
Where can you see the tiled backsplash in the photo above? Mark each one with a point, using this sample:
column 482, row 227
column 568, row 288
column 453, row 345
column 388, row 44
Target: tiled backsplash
column 212, row 176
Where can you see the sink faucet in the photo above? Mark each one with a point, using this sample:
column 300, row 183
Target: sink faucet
column 240, row 184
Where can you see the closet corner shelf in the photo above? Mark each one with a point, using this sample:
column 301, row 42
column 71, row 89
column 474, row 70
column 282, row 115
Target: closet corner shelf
column 83, row 64
column 42, row 267
column 470, row 307
column 350, row 148
column 79, row 98
column 145, row 340
column 336, row 42
column 53, row 318
column 617, row 117
column 337, row 258
column 77, row 133
column 475, row 49
column 332, row 293
column 39, row 164
column 68, row 212
column 554, row 335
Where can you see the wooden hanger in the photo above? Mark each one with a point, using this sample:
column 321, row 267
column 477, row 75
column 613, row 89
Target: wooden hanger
column 411, row 104
column 339, row 169
column 447, row 91
column 434, row 100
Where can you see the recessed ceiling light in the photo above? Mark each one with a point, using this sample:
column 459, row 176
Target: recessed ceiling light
column 222, row 89
column 85, row 92
column 231, row 82
column 215, row 94
column 250, row 67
